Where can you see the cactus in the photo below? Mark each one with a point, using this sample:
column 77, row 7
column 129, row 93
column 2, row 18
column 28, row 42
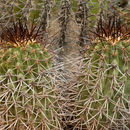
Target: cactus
column 82, row 19
column 104, row 89
column 27, row 96
column 88, row 10
column 33, row 10
column 86, row 15
column 64, row 21
column 24, row 8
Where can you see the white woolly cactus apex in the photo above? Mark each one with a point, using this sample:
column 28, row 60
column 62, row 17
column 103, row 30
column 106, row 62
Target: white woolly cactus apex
column 27, row 96
column 104, row 93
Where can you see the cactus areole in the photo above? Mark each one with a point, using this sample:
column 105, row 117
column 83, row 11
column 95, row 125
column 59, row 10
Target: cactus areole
column 106, row 84
column 26, row 93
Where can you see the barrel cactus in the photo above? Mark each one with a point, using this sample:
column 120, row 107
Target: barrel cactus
column 27, row 95
column 103, row 94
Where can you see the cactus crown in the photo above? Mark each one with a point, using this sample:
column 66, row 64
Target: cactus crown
column 19, row 35
column 112, row 30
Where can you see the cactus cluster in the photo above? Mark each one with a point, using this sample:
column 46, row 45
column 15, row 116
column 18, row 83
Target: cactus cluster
column 41, row 92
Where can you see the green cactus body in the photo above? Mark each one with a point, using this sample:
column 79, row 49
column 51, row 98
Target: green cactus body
column 18, row 8
column 27, row 95
column 104, row 93
column 96, row 6
column 35, row 12
column 30, row 8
